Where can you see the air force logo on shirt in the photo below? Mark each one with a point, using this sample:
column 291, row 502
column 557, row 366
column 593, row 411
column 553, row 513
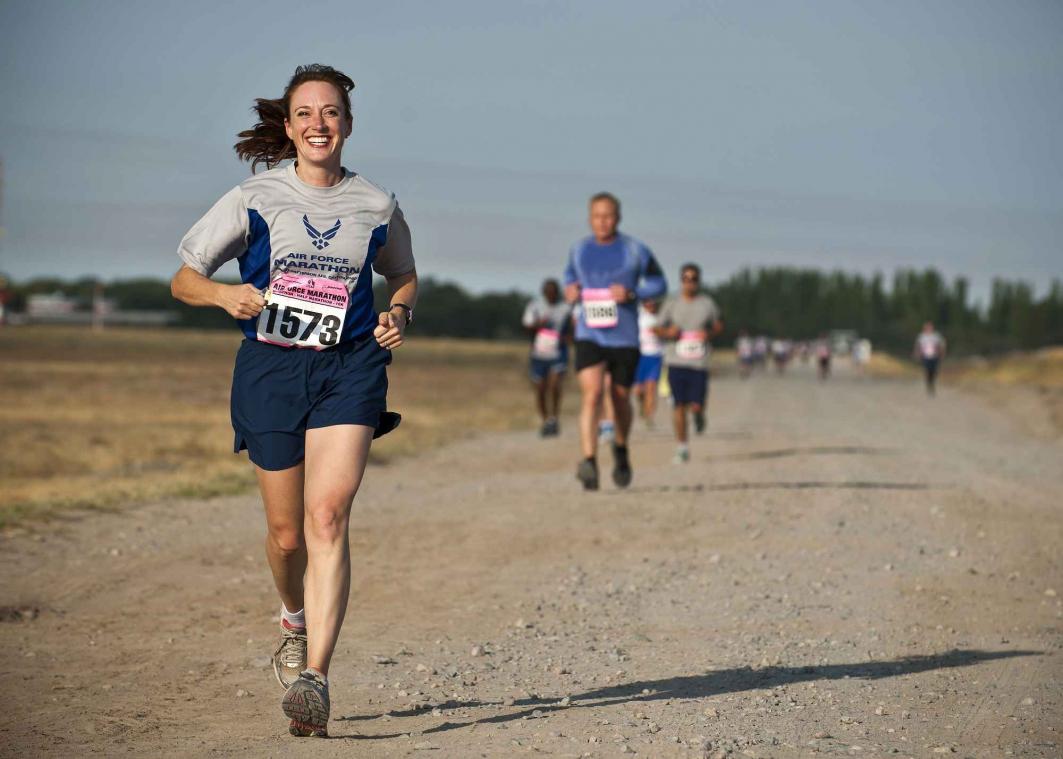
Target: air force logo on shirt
column 320, row 239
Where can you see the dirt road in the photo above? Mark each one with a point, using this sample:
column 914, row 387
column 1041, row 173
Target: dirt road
column 846, row 568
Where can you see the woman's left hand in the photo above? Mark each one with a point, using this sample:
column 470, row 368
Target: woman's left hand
column 389, row 329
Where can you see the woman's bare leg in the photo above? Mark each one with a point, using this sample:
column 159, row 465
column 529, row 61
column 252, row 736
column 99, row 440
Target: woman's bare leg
column 335, row 461
column 282, row 495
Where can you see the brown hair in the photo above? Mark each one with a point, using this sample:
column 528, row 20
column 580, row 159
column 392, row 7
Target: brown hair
column 267, row 142
column 606, row 196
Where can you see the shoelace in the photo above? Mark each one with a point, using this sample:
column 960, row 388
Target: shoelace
column 292, row 650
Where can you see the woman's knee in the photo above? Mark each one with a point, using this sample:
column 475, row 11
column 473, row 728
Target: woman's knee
column 287, row 538
column 326, row 521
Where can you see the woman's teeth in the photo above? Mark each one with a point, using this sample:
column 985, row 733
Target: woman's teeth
column 318, row 142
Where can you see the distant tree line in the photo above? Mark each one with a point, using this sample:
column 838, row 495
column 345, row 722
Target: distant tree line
column 796, row 303
column 802, row 303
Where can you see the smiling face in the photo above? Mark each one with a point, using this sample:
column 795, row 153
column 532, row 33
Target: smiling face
column 317, row 125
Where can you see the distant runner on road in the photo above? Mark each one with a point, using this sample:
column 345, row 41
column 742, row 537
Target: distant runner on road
column 823, row 356
column 549, row 322
column 929, row 349
column 309, row 389
column 651, row 358
column 689, row 321
column 608, row 273
column 745, row 352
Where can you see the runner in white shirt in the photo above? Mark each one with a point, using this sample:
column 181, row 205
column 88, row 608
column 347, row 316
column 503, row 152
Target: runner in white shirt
column 746, row 356
column 651, row 358
column 929, row 348
column 548, row 321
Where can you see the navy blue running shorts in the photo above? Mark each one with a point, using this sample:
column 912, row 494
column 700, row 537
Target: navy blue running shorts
column 538, row 368
column 688, row 385
column 280, row 392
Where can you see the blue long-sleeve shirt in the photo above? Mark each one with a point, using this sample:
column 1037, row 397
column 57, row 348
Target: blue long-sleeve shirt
column 625, row 261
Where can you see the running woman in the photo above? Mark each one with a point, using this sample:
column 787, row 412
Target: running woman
column 688, row 321
column 651, row 350
column 310, row 383
column 608, row 273
column 929, row 348
column 548, row 321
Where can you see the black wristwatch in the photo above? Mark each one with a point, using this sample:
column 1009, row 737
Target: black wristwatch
column 406, row 309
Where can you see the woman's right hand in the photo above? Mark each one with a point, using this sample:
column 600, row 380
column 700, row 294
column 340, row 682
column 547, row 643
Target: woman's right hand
column 241, row 301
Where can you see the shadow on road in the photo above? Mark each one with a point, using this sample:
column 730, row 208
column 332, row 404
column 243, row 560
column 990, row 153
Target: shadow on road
column 711, row 684
column 821, row 450
column 799, row 485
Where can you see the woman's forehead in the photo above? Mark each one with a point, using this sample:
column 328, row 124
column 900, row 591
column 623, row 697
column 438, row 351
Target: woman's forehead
column 311, row 93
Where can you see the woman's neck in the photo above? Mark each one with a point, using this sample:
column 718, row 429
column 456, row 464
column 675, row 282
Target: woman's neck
column 319, row 176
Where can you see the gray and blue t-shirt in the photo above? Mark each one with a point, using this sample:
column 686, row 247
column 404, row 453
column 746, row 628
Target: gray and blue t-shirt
column 275, row 223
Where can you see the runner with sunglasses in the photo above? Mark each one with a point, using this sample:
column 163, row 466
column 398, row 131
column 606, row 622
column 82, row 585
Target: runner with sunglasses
column 688, row 321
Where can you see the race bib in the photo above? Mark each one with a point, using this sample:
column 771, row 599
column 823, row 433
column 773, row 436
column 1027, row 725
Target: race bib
column 547, row 344
column 304, row 311
column 691, row 345
column 649, row 343
column 599, row 309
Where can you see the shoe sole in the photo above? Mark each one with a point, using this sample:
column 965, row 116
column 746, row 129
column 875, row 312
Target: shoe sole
column 622, row 477
column 308, row 715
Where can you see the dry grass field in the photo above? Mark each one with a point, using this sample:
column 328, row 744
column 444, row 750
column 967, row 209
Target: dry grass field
column 93, row 420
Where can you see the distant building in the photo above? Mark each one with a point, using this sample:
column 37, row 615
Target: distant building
column 47, row 306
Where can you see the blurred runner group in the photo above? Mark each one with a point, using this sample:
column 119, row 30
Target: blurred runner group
column 635, row 344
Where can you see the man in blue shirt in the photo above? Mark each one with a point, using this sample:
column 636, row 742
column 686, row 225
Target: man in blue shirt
column 608, row 273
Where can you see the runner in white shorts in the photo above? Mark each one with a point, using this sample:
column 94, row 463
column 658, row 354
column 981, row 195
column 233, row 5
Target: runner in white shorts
column 310, row 383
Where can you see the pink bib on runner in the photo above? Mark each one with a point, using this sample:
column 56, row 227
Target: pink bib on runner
column 547, row 344
column 691, row 345
column 303, row 310
column 599, row 308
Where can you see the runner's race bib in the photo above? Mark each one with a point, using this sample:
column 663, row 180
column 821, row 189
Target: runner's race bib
column 599, row 309
column 547, row 344
column 691, row 345
column 649, row 342
column 304, row 311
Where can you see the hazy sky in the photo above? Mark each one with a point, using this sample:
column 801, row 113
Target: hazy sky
column 860, row 135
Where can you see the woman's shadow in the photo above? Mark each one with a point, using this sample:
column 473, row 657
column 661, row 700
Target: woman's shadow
column 711, row 684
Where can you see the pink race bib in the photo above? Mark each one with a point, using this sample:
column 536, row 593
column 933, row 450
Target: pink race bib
column 691, row 345
column 303, row 310
column 599, row 308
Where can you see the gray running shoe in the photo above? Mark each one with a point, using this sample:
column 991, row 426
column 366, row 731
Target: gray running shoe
column 587, row 473
column 306, row 704
column 290, row 657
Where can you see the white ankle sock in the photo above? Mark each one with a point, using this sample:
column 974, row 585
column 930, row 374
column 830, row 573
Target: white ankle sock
column 293, row 618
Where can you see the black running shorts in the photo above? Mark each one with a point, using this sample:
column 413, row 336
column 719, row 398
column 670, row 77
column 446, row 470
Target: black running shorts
column 621, row 363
